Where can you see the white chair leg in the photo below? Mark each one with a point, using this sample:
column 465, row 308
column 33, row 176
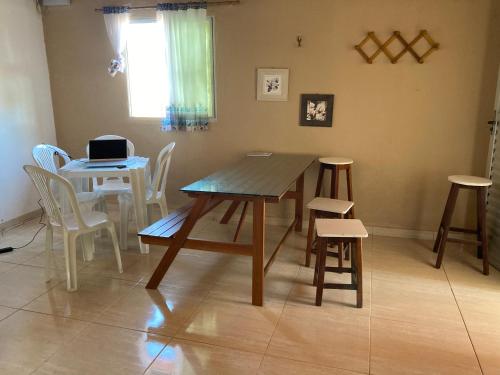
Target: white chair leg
column 88, row 246
column 67, row 260
column 101, row 207
column 72, row 258
column 124, row 204
column 163, row 206
column 49, row 255
column 114, row 239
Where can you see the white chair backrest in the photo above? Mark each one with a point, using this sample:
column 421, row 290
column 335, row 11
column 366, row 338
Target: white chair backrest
column 46, row 157
column 130, row 145
column 45, row 182
column 161, row 169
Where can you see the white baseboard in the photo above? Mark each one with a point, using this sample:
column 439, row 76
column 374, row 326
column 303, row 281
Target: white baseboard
column 372, row 230
column 20, row 220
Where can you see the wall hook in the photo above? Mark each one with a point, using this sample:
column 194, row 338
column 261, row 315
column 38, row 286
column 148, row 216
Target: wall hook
column 299, row 41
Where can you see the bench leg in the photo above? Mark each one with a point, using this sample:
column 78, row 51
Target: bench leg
column 178, row 242
column 258, row 252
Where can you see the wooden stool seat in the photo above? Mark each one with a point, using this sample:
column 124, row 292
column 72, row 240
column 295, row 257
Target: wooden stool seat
column 480, row 185
column 469, row 180
column 350, row 231
column 336, row 206
column 326, row 208
column 336, row 160
column 340, row 228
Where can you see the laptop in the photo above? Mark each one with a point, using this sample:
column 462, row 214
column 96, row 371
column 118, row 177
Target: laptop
column 107, row 153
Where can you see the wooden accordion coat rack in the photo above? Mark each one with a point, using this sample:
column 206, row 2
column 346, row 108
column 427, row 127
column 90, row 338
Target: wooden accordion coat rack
column 407, row 46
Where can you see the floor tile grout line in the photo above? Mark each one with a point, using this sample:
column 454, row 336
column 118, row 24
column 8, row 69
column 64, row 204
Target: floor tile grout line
column 463, row 319
column 316, row 364
column 70, row 341
column 279, row 318
column 159, row 353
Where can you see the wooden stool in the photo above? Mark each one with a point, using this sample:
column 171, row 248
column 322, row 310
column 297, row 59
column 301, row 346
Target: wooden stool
column 335, row 165
column 326, row 208
column 480, row 185
column 341, row 230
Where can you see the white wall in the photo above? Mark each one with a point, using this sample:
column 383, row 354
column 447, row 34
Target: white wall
column 26, row 116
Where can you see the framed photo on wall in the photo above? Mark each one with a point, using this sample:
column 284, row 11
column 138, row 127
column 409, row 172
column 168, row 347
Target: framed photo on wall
column 316, row 110
column 272, row 84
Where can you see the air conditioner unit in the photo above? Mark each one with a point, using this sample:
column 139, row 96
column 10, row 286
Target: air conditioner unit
column 52, row 3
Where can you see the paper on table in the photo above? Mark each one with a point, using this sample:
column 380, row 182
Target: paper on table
column 259, row 153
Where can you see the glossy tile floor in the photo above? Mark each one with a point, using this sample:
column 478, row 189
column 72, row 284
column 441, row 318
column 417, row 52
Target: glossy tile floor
column 416, row 319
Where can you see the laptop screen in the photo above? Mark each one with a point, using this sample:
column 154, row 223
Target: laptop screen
column 102, row 149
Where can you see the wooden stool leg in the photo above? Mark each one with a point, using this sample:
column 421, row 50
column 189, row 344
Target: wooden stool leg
column 482, row 232
column 340, row 250
column 349, row 215
column 321, row 270
column 334, row 183
column 448, row 212
column 349, row 187
column 359, row 272
column 447, row 208
column 316, row 265
column 319, row 183
column 310, row 234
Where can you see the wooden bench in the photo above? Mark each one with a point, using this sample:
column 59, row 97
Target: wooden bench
column 165, row 229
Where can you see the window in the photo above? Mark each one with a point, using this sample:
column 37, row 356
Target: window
column 147, row 70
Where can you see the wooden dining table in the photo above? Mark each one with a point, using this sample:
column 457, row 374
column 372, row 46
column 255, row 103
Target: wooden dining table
column 254, row 179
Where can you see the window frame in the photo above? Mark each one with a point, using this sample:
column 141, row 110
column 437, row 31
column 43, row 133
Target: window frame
column 211, row 119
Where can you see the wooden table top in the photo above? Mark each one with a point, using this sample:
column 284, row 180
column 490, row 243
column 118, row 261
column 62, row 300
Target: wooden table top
column 259, row 176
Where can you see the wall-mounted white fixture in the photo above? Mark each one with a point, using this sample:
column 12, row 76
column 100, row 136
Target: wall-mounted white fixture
column 51, row 3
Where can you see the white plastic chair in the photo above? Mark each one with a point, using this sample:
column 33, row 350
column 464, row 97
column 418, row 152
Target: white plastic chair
column 73, row 224
column 46, row 157
column 155, row 193
column 118, row 187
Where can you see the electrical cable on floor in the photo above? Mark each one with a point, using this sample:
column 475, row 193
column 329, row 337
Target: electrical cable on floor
column 40, row 222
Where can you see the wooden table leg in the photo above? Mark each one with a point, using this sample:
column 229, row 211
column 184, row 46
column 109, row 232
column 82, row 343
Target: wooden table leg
column 178, row 242
column 299, row 203
column 241, row 221
column 230, row 212
column 258, row 252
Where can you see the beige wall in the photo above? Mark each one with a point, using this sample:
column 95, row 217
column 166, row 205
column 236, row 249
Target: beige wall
column 407, row 126
column 26, row 116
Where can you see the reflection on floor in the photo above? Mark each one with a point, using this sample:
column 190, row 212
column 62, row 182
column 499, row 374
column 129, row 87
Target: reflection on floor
column 416, row 319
